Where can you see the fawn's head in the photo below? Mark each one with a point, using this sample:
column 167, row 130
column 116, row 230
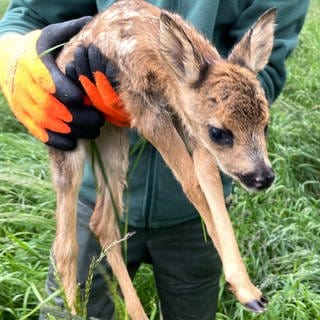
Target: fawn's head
column 222, row 102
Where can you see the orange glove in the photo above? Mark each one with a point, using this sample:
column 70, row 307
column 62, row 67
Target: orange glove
column 42, row 98
column 98, row 77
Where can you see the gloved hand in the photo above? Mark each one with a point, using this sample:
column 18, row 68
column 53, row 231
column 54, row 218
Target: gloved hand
column 98, row 77
column 42, row 98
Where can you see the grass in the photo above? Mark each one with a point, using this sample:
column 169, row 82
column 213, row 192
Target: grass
column 3, row 6
column 278, row 230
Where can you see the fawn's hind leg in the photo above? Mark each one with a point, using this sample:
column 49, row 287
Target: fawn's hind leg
column 113, row 147
column 67, row 169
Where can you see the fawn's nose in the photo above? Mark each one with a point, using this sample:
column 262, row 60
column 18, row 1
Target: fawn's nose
column 259, row 179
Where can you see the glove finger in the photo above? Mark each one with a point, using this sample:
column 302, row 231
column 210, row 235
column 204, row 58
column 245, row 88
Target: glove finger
column 39, row 116
column 82, row 63
column 38, row 132
column 112, row 72
column 84, row 116
column 96, row 59
column 92, row 92
column 61, row 141
column 112, row 105
column 121, row 116
column 58, row 33
column 46, row 104
column 47, row 122
column 98, row 62
column 84, row 133
column 64, row 89
column 71, row 73
column 108, row 94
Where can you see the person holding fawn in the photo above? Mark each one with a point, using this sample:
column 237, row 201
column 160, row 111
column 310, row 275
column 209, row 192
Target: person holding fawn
column 54, row 108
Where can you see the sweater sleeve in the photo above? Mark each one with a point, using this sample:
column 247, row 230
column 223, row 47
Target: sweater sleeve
column 23, row 16
column 290, row 19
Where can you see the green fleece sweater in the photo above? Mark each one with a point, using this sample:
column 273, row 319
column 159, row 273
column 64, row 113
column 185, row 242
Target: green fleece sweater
column 154, row 197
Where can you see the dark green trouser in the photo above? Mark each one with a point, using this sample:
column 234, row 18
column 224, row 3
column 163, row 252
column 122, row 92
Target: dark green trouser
column 186, row 268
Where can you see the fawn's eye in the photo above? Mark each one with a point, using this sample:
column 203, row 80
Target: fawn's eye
column 266, row 130
column 223, row 137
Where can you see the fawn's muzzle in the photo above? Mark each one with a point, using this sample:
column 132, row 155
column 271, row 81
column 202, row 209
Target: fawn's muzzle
column 259, row 179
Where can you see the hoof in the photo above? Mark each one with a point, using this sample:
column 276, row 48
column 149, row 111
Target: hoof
column 257, row 306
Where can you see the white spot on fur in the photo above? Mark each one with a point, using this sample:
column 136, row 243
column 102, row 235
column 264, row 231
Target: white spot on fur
column 127, row 46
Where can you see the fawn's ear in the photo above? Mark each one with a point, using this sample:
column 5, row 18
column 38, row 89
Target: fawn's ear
column 254, row 49
column 179, row 52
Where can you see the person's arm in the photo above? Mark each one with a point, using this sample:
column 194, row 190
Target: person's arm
column 290, row 19
column 23, row 16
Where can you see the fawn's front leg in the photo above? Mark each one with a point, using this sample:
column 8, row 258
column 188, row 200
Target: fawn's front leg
column 233, row 265
column 163, row 135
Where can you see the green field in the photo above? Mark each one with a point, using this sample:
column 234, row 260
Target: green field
column 278, row 230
